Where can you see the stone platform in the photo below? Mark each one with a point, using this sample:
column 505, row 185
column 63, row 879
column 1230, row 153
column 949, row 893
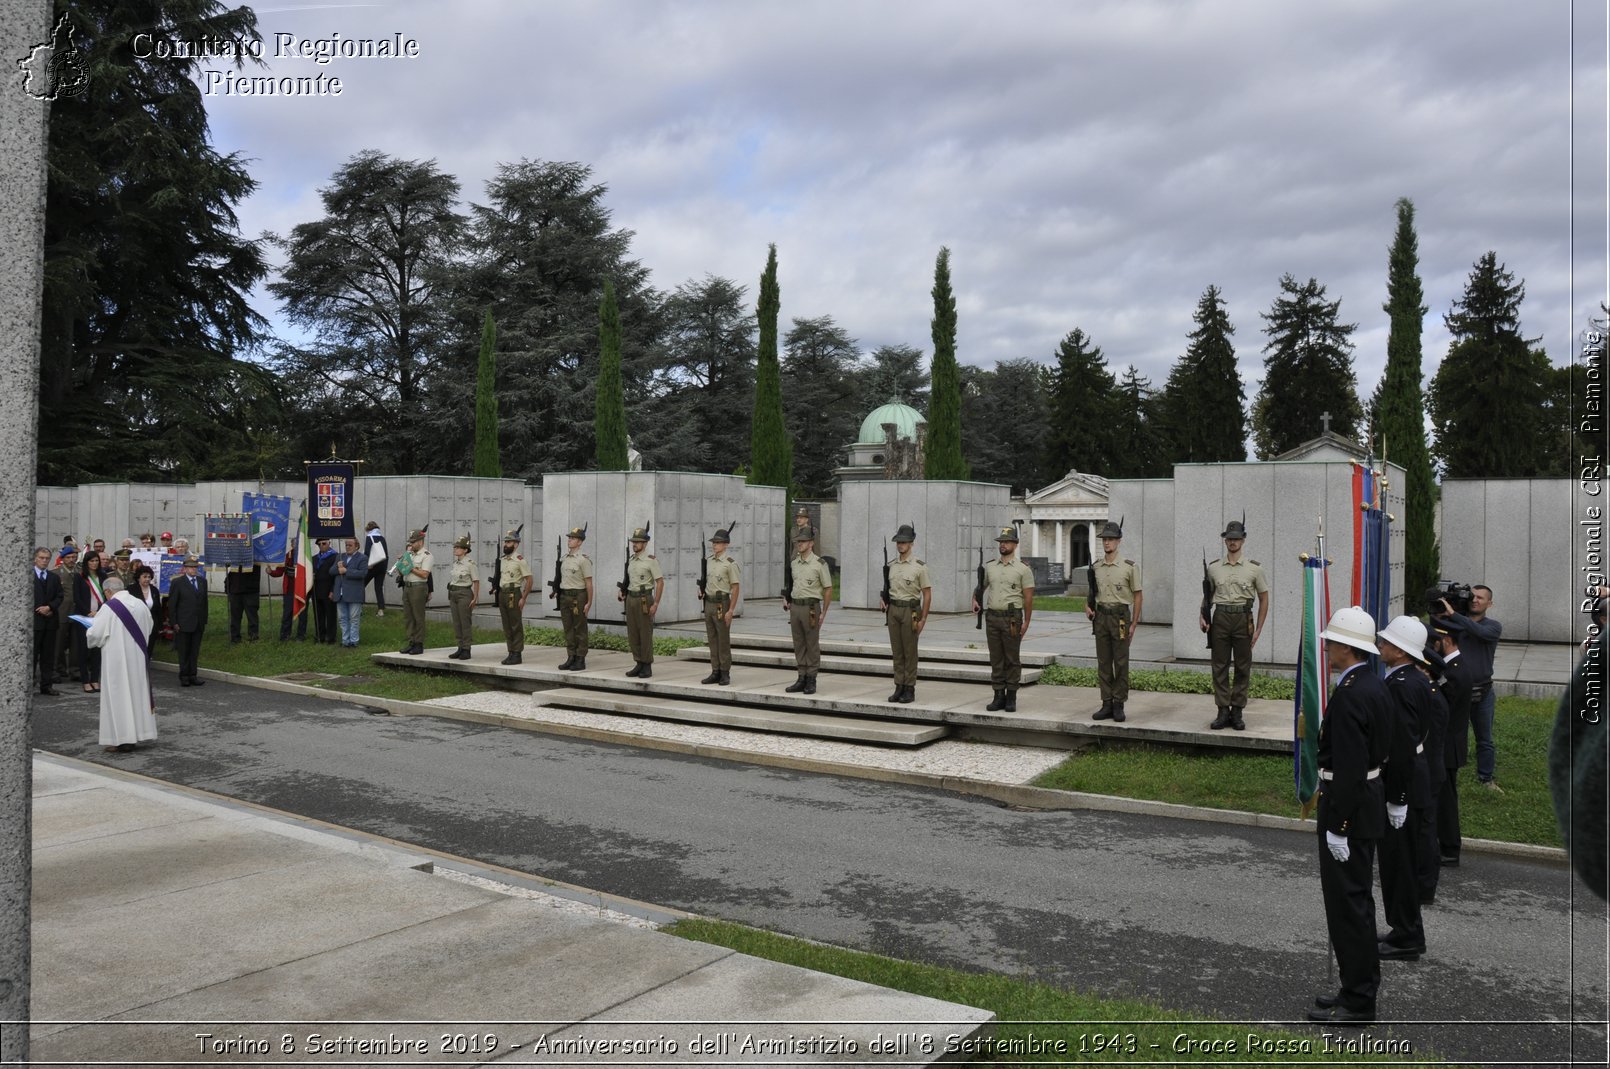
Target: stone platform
column 1046, row 716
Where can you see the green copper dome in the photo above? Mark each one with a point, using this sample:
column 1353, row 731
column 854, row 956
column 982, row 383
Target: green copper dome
column 904, row 417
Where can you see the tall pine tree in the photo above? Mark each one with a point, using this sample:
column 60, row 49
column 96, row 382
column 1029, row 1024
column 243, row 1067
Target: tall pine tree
column 771, row 450
column 820, row 361
column 944, row 458
column 1139, row 449
column 1488, row 397
column 1203, row 401
column 1398, row 408
column 487, row 464
column 609, row 408
column 1081, row 409
column 1307, row 371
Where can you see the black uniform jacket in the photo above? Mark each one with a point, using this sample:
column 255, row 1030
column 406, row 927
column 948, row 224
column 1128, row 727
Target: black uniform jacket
column 1415, row 711
column 1455, row 689
column 1353, row 739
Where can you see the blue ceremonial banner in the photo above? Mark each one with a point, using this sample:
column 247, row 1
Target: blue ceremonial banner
column 169, row 568
column 271, row 526
column 228, row 541
column 329, row 501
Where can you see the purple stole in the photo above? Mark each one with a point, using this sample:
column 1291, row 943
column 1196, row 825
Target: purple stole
column 139, row 640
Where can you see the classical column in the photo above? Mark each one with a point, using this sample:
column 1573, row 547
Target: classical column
column 1060, row 557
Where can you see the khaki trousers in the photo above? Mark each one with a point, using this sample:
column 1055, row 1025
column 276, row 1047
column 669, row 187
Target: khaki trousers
column 574, row 621
column 802, row 621
column 640, row 627
column 509, row 614
column 903, row 645
column 460, row 609
column 414, row 597
column 1230, row 637
column 1004, row 630
column 1112, row 654
column 717, row 633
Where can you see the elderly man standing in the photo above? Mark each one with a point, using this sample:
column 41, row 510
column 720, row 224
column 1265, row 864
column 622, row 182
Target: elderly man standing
column 414, row 567
column 1353, row 742
column 187, row 608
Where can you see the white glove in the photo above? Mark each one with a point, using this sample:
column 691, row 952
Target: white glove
column 1338, row 846
column 1396, row 815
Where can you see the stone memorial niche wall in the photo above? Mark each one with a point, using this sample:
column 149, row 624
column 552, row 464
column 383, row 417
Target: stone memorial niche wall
column 953, row 519
column 684, row 509
column 1520, row 537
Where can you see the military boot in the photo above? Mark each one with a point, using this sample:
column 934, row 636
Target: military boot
column 810, row 684
column 1011, row 702
column 647, row 670
column 1221, row 721
column 637, row 670
column 796, row 686
column 899, row 692
column 580, row 665
column 1104, row 713
column 998, row 704
column 1117, row 712
column 910, row 694
column 726, row 679
column 713, row 677
column 570, row 663
column 1235, row 718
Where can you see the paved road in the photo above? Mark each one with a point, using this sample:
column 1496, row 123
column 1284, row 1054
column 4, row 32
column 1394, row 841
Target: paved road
column 1204, row 917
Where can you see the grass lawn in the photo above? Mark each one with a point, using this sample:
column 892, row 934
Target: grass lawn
column 1086, row 1025
column 1059, row 603
column 1261, row 783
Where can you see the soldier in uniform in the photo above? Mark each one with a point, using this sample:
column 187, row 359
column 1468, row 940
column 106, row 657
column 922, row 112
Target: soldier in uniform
column 811, row 595
column 1455, row 689
column 575, row 600
column 511, row 585
column 463, row 591
column 645, row 585
column 67, row 571
column 1407, row 784
column 722, row 579
column 1115, row 614
column 1353, row 741
column 910, row 595
column 1237, row 583
column 416, row 590
column 1008, row 608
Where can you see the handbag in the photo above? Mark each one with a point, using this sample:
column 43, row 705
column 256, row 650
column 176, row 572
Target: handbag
column 377, row 554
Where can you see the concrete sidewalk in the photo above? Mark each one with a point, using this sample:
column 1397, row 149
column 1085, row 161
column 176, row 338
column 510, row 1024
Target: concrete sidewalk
column 162, row 916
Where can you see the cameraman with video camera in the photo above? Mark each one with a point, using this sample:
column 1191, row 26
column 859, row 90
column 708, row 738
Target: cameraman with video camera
column 1478, row 645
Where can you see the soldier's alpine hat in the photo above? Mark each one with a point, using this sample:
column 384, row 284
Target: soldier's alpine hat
column 513, row 533
column 905, row 534
column 416, row 536
column 639, row 535
column 804, row 534
column 1234, row 529
column 577, row 532
column 1006, row 534
column 191, row 562
column 463, row 542
column 1112, row 530
column 721, row 536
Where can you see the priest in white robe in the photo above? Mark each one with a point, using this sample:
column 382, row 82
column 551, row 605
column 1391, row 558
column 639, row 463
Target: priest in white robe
column 122, row 632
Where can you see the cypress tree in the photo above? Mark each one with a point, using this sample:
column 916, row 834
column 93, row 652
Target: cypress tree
column 771, row 451
column 944, row 458
column 487, row 464
column 609, row 414
column 1398, row 411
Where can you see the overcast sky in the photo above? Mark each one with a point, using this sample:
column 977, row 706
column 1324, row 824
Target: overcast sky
column 1089, row 164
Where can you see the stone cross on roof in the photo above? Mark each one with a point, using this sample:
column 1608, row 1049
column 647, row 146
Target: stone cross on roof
column 1324, row 419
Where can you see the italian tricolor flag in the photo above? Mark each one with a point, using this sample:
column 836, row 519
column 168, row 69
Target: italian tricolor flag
column 1313, row 676
column 302, row 585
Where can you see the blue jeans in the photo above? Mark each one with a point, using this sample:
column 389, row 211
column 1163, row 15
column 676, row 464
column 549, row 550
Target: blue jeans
column 1481, row 721
column 351, row 612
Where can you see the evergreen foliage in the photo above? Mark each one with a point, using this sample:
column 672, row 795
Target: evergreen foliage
column 943, row 458
column 146, row 278
column 819, row 365
column 1307, row 371
column 487, row 464
column 1397, row 411
column 771, row 451
column 1489, row 399
column 1139, row 448
column 895, row 374
column 1203, row 412
column 1081, row 409
column 609, row 410
column 367, row 280
column 694, row 413
column 1014, row 394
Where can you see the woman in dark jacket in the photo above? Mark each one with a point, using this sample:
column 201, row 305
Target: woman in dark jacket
column 87, row 601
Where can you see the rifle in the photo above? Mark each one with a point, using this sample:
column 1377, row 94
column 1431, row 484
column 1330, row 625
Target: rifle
column 885, row 594
column 625, row 584
column 1090, row 603
column 704, row 562
column 1207, row 600
column 788, row 575
column 558, row 562
column 978, row 591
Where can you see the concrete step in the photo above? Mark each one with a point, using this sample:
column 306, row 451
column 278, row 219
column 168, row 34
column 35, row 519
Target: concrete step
column 864, row 665
column 950, row 654
column 782, row 721
column 1046, row 716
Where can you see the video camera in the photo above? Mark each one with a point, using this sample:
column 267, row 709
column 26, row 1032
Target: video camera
column 1456, row 594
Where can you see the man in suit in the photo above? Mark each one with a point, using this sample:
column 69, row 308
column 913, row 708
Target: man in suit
column 47, row 619
column 1456, row 688
column 1353, row 741
column 187, row 606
